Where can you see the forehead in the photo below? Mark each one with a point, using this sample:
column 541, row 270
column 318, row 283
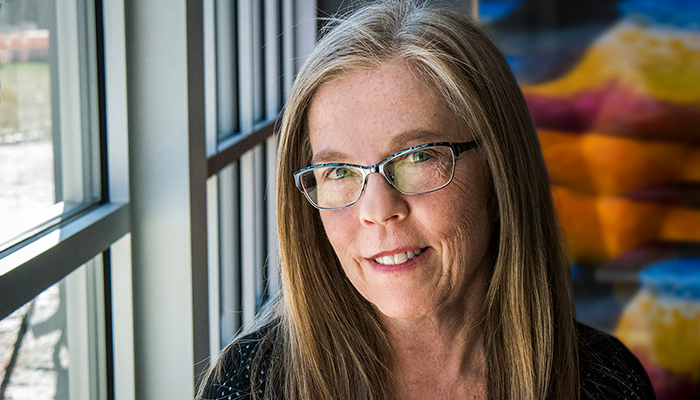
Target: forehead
column 372, row 112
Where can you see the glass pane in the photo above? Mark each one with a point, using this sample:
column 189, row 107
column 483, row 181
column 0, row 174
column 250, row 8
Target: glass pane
column 54, row 347
column 48, row 129
column 614, row 89
column 227, row 60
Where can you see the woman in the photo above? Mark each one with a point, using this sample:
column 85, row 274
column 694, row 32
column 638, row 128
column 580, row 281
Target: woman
column 440, row 276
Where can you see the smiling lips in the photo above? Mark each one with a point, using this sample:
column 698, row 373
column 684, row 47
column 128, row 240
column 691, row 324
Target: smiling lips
column 398, row 258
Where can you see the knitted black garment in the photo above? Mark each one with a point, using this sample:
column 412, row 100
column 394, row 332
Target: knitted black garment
column 607, row 369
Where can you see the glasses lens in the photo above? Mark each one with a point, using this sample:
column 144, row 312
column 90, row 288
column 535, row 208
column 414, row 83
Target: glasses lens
column 331, row 187
column 422, row 170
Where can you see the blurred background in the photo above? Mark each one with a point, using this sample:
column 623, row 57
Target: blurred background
column 614, row 90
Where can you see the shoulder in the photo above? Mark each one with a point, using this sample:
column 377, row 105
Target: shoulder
column 607, row 369
column 242, row 368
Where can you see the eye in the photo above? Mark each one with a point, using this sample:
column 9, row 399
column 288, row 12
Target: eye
column 419, row 156
column 338, row 173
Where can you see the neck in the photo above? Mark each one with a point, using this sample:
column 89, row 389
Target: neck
column 429, row 336
column 441, row 353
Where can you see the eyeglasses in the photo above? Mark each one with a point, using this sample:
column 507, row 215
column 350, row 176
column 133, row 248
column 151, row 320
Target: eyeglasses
column 416, row 170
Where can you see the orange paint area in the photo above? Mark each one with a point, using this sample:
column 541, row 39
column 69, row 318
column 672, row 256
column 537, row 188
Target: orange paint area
column 620, row 134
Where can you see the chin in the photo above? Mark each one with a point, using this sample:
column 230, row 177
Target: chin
column 400, row 307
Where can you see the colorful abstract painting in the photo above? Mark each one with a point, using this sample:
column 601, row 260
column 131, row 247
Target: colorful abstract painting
column 614, row 91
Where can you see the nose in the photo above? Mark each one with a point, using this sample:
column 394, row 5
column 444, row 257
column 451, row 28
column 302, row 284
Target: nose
column 381, row 203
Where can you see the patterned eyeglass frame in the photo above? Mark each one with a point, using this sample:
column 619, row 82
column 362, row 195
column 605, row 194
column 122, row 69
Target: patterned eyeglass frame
column 457, row 149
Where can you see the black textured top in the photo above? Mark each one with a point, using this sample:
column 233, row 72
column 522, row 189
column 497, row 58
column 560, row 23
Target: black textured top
column 607, row 369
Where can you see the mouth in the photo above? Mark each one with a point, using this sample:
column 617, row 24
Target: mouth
column 398, row 257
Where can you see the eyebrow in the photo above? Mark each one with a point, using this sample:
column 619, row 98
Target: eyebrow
column 401, row 140
column 415, row 135
column 326, row 156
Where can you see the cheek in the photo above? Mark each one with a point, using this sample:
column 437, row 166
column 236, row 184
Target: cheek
column 339, row 230
column 464, row 220
column 467, row 240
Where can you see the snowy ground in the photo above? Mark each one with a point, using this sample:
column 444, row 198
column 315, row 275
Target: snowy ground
column 26, row 187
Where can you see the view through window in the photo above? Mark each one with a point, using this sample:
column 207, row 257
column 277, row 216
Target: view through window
column 49, row 156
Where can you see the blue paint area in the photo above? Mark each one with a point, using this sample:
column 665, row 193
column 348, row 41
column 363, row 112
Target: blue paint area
column 575, row 271
column 680, row 13
column 515, row 63
column 678, row 278
column 490, row 11
column 531, row 68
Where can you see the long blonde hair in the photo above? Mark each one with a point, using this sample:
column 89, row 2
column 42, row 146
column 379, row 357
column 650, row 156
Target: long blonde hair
column 331, row 344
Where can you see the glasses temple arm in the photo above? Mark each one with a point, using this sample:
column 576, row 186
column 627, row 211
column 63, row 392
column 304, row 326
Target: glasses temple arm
column 460, row 148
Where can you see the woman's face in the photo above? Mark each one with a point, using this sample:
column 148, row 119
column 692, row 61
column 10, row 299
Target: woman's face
column 361, row 118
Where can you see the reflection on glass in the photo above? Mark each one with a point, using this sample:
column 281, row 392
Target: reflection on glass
column 52, row 347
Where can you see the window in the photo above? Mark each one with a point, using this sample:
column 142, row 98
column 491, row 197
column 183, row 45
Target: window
column 49, row 133
column 58, row 218
column 158, row 227
column 54, row 346
column 249, row 58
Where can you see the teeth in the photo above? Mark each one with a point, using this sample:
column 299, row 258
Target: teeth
column 399, row 258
